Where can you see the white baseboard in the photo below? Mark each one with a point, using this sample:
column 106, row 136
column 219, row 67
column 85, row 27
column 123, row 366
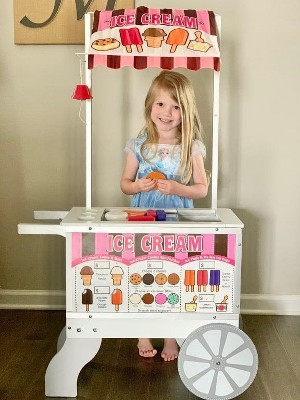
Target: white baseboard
column 56, row 300
column 270, row 304
column 33, row 299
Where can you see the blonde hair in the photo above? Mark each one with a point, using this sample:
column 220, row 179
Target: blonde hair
column 181, row 91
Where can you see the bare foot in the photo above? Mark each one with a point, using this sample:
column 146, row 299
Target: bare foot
column 170, row 350
column 145, row 348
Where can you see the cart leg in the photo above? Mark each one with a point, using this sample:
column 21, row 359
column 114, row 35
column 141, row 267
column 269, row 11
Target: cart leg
column 180, row 341
column 61, row 339
column 64, row 368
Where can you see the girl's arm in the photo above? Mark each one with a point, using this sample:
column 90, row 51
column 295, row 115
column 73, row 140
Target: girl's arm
column 128, row 183
column 196, row 191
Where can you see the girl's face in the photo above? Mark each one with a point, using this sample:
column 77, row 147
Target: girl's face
column 165, row 113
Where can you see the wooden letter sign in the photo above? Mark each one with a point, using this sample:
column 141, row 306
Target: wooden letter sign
column 57, row 21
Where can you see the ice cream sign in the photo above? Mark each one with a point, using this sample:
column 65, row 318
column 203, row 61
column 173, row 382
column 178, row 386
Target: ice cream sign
column 155, row 19
column 154, row 33
column 155, row 243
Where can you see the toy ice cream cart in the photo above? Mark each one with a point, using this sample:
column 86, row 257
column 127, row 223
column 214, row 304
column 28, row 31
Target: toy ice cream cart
column 166, row 273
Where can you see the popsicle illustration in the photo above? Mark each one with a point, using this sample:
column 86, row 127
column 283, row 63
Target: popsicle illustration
column 131, row 37
column 177, row 37
column 117, row 298
column 87, row 298
column 214, row 280
column 189, row 280
column 202, row 279
column 86, row 275
column 116, row 274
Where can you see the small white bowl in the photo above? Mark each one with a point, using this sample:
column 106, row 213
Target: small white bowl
column 116, row 216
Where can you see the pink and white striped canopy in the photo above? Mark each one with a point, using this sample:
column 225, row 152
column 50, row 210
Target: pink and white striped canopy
column 149, row 37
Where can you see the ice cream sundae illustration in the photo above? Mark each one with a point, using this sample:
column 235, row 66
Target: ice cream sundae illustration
column 223, row 305
column 192, row 306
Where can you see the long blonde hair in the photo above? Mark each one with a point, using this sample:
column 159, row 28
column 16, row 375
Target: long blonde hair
column 181, row 91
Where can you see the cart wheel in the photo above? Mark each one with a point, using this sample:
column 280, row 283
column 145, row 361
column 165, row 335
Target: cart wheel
column 217, row 361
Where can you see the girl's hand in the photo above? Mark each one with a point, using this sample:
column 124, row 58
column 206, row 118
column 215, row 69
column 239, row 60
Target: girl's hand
column 167, row 186
column 145, row 184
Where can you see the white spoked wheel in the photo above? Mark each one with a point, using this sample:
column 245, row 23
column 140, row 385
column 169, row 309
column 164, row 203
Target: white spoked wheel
column 217, row 361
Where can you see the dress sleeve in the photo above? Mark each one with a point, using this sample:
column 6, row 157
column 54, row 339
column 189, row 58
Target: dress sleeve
column 129, row 147
column 198, row 148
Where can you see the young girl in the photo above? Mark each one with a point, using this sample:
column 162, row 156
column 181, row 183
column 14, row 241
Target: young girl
column 171, row 144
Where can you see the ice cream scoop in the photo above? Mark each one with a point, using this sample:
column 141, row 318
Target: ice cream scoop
column 156, row 175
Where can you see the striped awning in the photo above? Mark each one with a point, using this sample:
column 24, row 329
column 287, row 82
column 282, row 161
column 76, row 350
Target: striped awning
column 150, row 37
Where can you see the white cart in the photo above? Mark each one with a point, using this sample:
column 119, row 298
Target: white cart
column 179, row 277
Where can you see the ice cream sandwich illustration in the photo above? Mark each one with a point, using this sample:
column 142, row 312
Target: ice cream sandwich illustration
column 117, row 275
column 86, row 275
column 87, row 298
column 117, row 298
column 189, row 280
column 192, row 306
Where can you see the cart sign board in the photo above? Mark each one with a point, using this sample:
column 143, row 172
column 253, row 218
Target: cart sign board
column 153, row 273
column 149, row 37
column 56, row 21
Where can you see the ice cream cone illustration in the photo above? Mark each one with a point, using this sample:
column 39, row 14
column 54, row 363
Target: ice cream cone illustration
column 86, row 275
column 117, row 275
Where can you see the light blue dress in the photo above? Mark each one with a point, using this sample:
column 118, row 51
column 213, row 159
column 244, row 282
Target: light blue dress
column 165, row 159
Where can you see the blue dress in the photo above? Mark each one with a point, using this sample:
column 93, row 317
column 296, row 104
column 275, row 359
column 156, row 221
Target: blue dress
column 165, row 159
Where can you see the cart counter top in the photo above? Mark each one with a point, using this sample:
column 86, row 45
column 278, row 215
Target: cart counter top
column 112, row 216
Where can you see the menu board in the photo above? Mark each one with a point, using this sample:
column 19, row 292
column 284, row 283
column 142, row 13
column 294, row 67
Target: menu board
column 153, row 273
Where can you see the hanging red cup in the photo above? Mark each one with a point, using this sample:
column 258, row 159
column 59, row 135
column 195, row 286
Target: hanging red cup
column 82, row 92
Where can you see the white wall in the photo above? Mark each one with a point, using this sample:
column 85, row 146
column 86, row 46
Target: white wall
column 42, row 145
